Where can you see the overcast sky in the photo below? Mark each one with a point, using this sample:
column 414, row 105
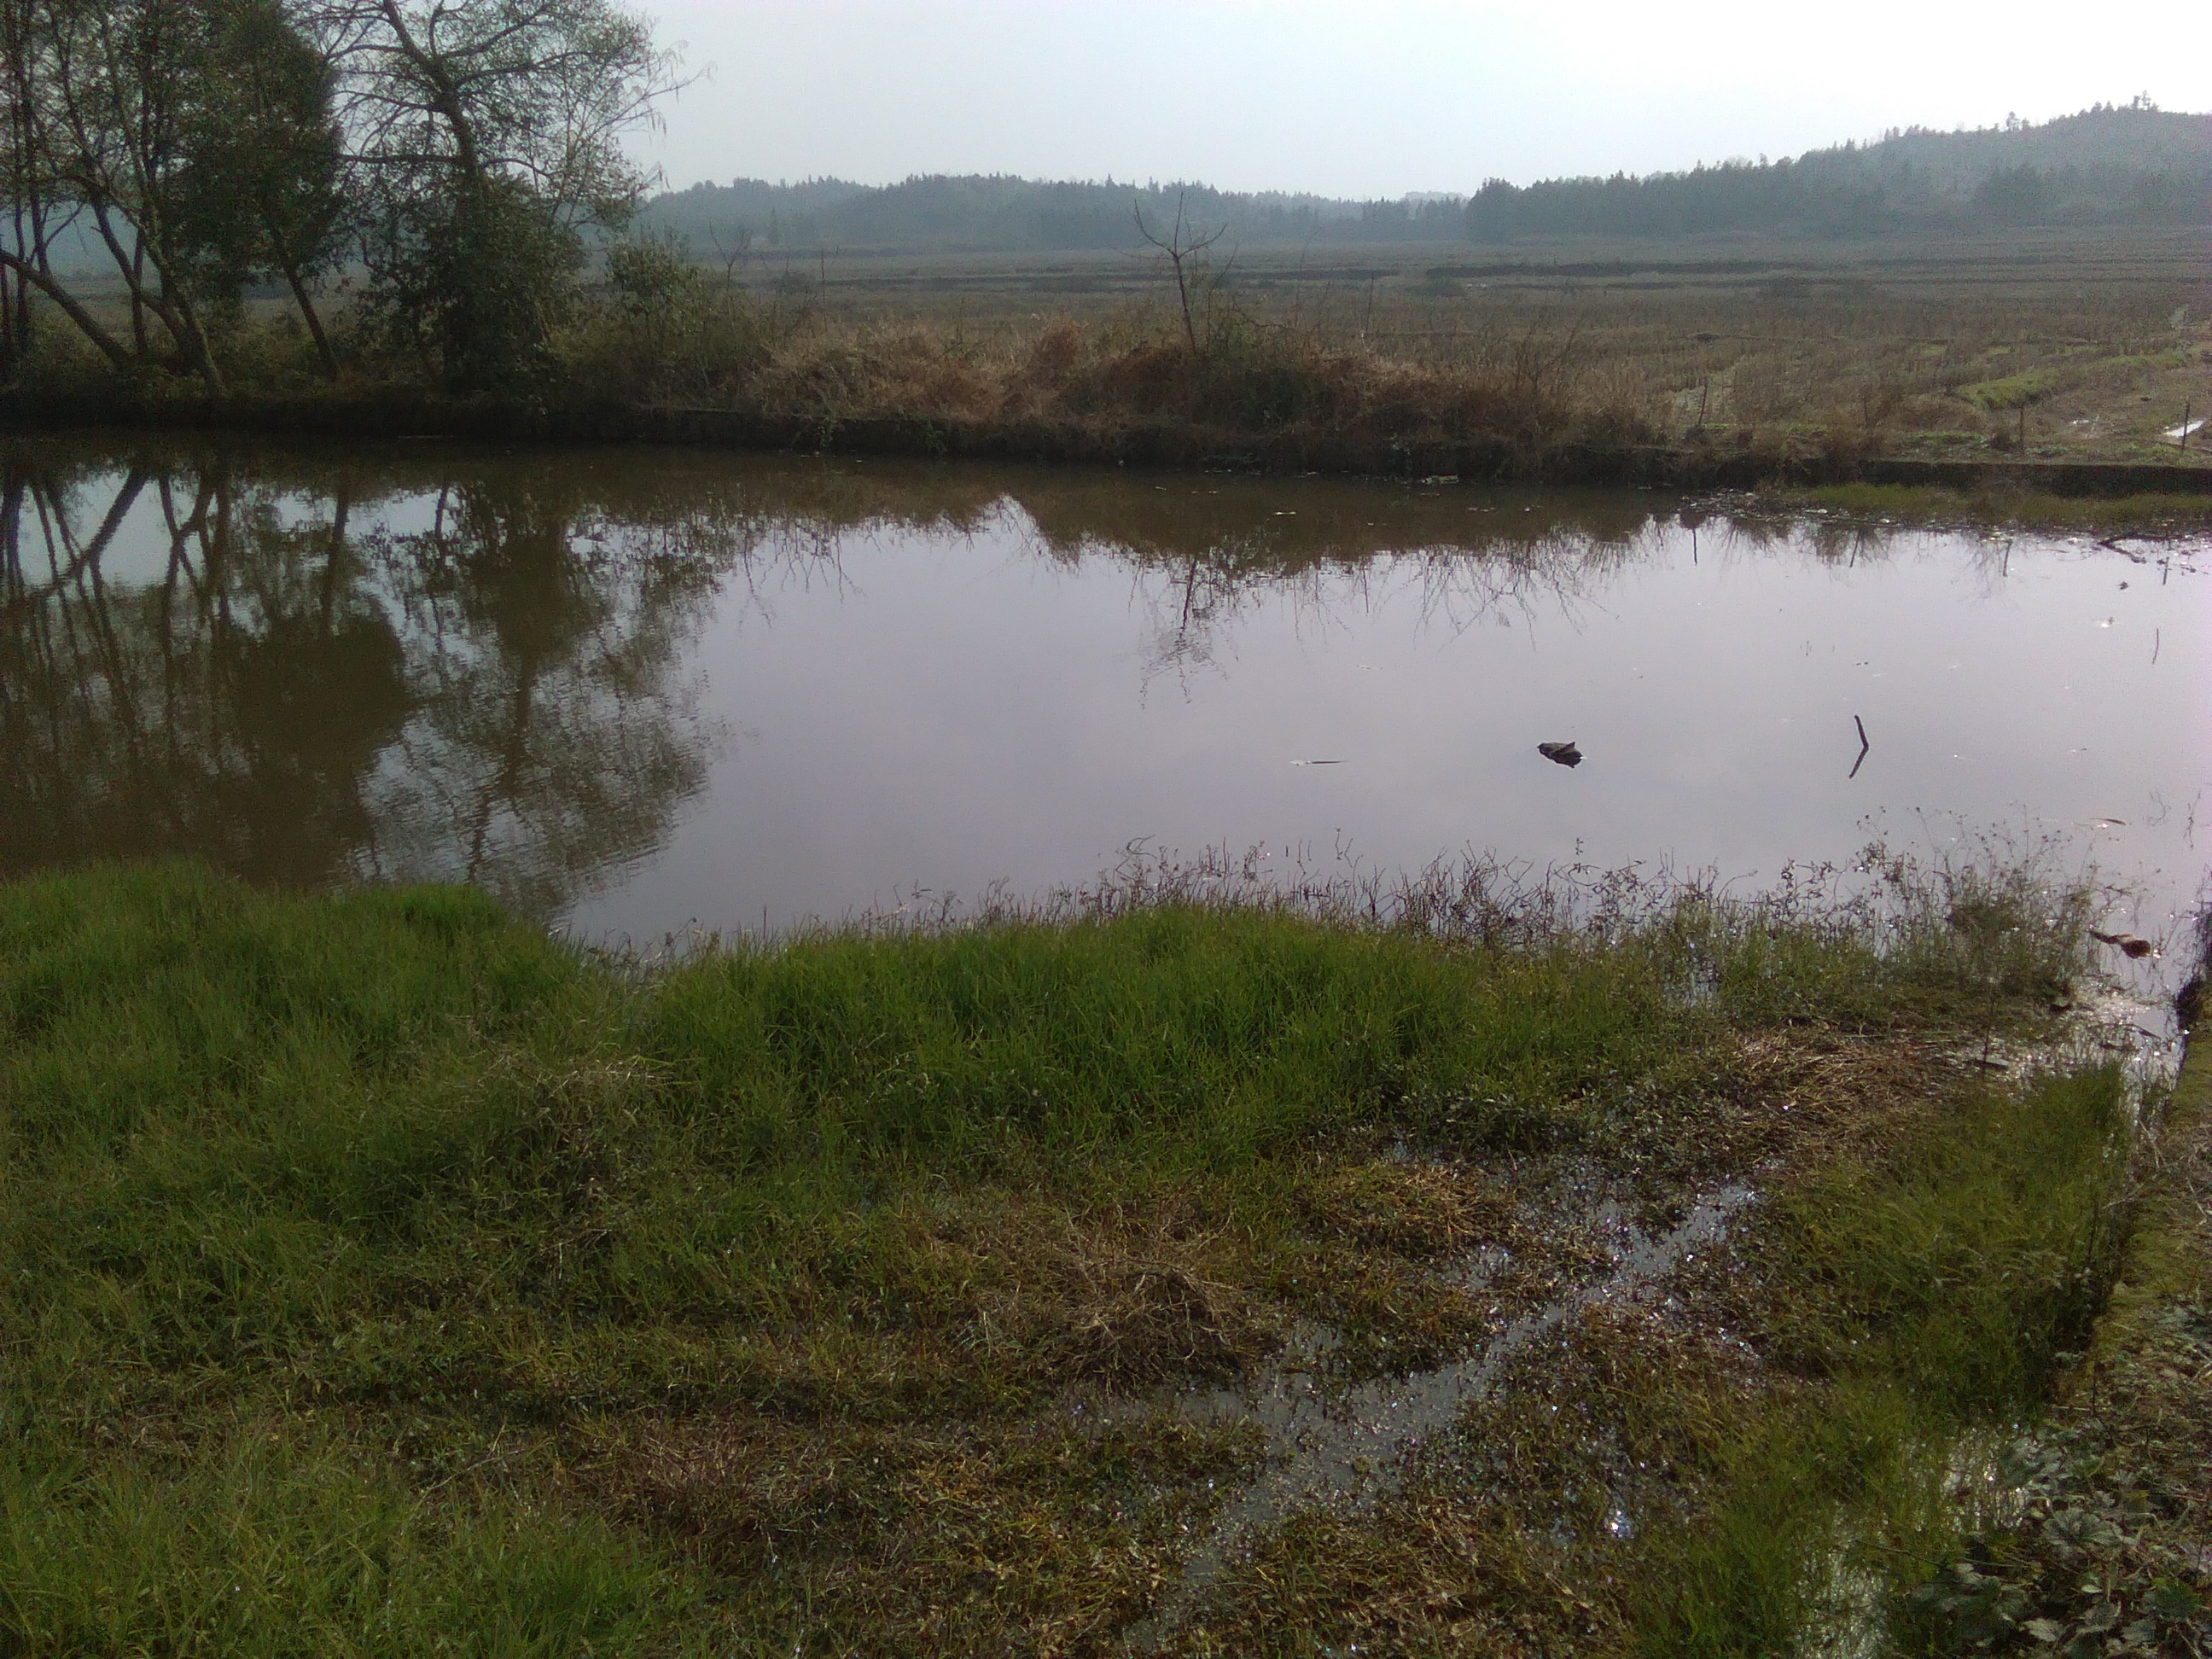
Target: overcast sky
column 1376, row 99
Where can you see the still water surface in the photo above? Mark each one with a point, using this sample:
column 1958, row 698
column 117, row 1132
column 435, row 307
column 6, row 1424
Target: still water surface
column 634, row 691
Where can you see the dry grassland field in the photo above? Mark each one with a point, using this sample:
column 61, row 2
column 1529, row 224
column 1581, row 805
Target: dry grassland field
column 2082, row 345
column 1735, row 358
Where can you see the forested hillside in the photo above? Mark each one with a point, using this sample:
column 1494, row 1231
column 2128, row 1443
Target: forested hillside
column 2118, row 166
column 2130, row 165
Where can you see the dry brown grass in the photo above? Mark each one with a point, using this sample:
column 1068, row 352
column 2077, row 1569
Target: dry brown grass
column 1556, row 361
column 1933, row 350
column 1123, row 1297
column 1031, row 1538
column 1415, row 1209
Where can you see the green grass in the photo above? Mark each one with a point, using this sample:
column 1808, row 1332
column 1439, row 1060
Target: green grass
column 1934, row 506
column 297, row 1549
column 1927, row 1291
column 2013, row 391
column 380, row 1275
column 292, row 1180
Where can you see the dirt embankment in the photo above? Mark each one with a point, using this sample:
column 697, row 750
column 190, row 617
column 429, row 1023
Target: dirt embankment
column 1735, row 461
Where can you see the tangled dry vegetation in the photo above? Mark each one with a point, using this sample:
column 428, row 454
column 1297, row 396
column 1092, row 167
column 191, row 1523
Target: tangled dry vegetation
column 1100, row 388
column 1563, row 361
column 2074, row 351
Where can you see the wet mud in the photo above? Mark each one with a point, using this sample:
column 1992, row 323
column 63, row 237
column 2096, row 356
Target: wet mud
column 1345, row 1447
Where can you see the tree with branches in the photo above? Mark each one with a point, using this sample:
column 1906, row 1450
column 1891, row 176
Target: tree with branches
column 484, row 137
column 186, row 138
column 460, row 149
column 1185, row 247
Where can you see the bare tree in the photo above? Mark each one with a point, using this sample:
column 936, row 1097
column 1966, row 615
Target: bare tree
column 734, row 255
column 119, row 78
column 1185, row 249
column 23, row 231
column 40, row 204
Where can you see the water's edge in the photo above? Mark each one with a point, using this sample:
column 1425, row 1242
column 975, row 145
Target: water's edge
column 1719, row 463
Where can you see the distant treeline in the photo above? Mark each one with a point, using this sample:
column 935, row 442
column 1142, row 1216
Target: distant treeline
column 1000, row 213
column 2107, row 166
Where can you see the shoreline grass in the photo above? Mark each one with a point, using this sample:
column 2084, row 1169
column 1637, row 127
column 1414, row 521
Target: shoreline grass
column 2005, row 499
column 381, row 1273
column 1659, row 369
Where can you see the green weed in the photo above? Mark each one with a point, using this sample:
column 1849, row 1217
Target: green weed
column 359, row 1251
column 1929, row 505
column 1931, row 1286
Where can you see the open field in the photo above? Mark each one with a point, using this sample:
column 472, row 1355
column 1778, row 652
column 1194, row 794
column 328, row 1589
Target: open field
column 1935, row 349
column 1918, row 349
column 384, row 1277
column 1731, row 357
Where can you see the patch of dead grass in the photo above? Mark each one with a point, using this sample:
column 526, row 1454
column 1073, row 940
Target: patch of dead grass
column 1036, row 1538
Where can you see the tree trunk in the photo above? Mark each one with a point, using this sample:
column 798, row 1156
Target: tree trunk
column 198, row 351
column 110, row 348
column 171, row 305
column 314, row 322
column 133, row 271
column 137, row 302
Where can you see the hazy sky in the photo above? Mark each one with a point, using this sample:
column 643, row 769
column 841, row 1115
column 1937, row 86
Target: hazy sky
column 1377, row 99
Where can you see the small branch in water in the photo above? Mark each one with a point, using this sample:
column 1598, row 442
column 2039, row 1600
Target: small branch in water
column 2126, row 943
column 1866, row 745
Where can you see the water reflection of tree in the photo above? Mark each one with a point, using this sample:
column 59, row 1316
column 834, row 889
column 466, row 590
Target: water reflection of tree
column 299, row 700
column 1195, row 581
column 227, row 710
column 310, row 665
column 552, row 733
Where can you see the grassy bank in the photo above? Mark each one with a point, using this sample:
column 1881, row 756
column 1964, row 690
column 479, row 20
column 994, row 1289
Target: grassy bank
column 381, row 1276
column 1676, row 365
column 2003, row 500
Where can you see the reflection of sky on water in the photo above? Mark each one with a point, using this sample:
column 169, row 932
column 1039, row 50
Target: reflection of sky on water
column 646, row 691
column 958, row 711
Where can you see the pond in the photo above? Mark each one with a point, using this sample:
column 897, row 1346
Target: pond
column 635, row 692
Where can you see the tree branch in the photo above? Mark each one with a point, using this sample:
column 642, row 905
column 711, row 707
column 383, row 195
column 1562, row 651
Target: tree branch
column 44, row 282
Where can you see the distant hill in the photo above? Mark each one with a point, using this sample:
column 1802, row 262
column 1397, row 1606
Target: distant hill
column 2112, row 165
column 2108, row 166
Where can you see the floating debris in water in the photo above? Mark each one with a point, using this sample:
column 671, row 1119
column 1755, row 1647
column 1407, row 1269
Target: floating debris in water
column 1564, row 754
